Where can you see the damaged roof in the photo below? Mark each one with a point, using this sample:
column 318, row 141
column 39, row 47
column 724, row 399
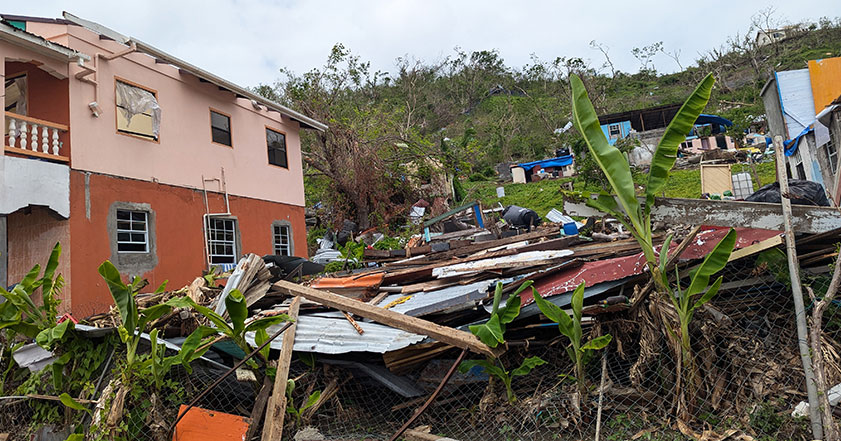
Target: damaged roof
column 7, row 29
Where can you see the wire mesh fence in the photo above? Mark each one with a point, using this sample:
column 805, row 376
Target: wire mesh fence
column 744, row 382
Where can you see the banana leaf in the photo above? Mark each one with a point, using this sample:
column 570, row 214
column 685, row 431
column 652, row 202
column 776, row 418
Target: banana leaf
column 666, row 152
column 608, row 157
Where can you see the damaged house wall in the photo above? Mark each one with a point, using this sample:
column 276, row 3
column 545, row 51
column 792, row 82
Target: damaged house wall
column 162, row 178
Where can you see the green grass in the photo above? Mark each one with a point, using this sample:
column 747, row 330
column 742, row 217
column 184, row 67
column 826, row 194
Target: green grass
column 545, row 195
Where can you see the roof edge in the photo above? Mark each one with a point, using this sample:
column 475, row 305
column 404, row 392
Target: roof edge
column 240, row 91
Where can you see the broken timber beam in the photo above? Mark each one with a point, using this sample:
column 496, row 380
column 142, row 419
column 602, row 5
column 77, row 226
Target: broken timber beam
column 762, row 215
column 276, row 409
column 444, row 334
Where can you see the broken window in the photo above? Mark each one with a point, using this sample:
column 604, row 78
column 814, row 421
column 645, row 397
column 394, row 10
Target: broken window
column 221, row 240
column 138, row 112
column 220, row 128
column 282, row 240
column 277, row 148
column 16, row 94
column 615, row 131
column 132, row 231
column 798, row 165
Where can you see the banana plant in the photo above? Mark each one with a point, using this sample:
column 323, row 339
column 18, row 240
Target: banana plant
column 297, row 412
column 236, row 330
column 19, row 313
column 492, row 333
column 570, row 327
column 684, row 300
column 635, row 216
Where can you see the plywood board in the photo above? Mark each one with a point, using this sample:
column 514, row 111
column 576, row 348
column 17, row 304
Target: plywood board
column 715, row 179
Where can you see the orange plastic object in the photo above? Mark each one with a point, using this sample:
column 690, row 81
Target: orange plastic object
column 202, row 425
column 369, row 281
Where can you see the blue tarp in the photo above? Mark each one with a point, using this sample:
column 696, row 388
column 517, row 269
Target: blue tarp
column 560, row 161
column 791, row 144
column 712, row 119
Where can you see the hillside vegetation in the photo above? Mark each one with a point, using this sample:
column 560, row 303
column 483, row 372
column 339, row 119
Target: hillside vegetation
column 471, row 111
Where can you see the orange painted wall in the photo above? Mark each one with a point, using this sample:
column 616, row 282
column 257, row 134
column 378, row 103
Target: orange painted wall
column 48, row 97
column 826, row 81
column 178, row 227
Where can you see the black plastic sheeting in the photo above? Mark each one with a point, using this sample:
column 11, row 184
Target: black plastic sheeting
column 800, row 193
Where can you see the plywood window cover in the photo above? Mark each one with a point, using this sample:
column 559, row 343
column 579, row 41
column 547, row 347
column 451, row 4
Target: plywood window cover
column 116, row 110
column 282, row 240
column 218, row 230
column 135, row 224
column 285, row 147
column 230, row 127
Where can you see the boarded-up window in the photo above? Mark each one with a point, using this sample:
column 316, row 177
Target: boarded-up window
column 16, row 94
column 220, row 128
column 277, row 148
column 138, row 112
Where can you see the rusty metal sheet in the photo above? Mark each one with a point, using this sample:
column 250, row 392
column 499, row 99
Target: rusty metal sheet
column 594, row 273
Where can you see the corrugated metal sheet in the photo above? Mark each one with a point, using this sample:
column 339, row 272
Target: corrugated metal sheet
column 481, row 265
column 436, row 301
column 336, row 336
column 594, row 273
column 795, row 89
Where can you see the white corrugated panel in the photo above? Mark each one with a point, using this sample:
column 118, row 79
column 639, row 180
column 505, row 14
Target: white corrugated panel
column 798, row 105
column 336, row 336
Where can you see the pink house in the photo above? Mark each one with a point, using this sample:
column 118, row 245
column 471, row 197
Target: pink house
column 121, row 151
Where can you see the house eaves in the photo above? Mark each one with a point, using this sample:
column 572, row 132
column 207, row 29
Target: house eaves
column 38, row 44
column 201, row 74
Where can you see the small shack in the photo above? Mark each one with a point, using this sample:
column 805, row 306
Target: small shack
column 547, row 168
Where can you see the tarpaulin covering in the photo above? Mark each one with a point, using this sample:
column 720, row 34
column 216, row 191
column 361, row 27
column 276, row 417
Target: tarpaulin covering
column 561, row 161
column 791, row 144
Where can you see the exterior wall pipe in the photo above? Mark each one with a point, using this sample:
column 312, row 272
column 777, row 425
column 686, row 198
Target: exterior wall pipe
column 797, row 292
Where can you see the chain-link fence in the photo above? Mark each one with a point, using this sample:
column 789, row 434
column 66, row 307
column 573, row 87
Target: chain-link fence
column 745, row 381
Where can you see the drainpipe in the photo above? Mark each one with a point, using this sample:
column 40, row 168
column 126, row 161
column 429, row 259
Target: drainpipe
column 87, row 71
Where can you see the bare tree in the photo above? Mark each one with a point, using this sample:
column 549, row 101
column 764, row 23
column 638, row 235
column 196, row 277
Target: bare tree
column 604, row 49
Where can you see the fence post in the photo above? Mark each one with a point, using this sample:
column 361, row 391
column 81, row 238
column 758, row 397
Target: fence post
column 797, row 292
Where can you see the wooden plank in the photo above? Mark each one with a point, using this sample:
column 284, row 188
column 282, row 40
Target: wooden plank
column 762, row 215
column 276, row 410
column 450, row 213
column 755, row 248
column 397, row 320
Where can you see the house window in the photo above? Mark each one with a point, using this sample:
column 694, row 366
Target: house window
column 282, row 240
column 16, row 94
column 220, row 128
column 277, row 148
column 614, row 130
column 798, row 165
column 138, row 113
column 132, row 231
column 221, row 240
column 832, row 152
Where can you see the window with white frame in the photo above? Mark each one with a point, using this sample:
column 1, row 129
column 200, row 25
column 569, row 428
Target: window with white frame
column 832, row 152
column 221, row 240
column 798, row 165
column 615, row 130
column 132, row 231
column 282, row 240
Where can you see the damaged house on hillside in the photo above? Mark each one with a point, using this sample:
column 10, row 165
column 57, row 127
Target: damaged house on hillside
column 794, row 100
column 123, row 152
column 648, row 126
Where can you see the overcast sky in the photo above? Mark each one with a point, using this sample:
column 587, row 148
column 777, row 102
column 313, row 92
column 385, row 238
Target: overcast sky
column 247, row 41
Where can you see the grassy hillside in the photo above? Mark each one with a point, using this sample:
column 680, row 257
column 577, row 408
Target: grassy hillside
column 544, row 195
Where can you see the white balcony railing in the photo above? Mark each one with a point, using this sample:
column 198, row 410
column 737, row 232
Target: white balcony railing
column 35, row 137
